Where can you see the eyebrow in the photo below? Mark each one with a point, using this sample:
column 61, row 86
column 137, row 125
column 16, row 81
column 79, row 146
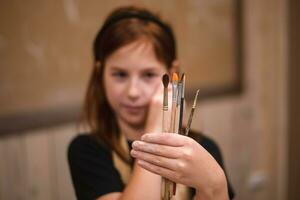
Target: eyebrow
column 148, row 68
column 117, row 68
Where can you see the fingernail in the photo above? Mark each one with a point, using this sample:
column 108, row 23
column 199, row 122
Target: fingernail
column 136, row 143
column 133, row 152
column 133, row 144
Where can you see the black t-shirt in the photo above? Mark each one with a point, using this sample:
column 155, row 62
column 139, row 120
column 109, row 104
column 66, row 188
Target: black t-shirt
column 94, row 174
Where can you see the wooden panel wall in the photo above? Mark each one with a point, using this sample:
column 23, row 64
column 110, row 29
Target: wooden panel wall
column 34, row 165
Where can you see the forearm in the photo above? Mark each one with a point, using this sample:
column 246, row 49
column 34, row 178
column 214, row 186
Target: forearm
column 217, row 191
column 220, row 195
column 142, row 185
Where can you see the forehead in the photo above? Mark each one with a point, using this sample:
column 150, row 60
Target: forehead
column 136, row 55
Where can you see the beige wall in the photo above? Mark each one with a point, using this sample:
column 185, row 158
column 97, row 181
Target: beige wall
column 250, row 128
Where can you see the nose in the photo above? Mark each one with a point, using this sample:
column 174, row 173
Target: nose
column 134, row 88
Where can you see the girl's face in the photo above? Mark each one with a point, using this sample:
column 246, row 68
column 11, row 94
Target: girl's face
column 132, row 74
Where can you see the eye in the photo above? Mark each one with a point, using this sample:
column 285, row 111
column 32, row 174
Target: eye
column 119, row 74
column 149, row 75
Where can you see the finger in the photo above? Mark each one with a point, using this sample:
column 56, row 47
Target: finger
column 170, row 139
column 155, row 160
column 159, row 90
column 167, row 173
column 157, row 149
column 168, row 113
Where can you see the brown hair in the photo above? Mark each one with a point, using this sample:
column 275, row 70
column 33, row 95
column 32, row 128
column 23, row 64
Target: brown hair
column 123, row 26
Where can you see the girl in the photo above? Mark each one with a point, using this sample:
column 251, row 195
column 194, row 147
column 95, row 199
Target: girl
column 132, row 51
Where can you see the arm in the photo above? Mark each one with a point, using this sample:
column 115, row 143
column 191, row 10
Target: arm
column 182, row 160
column 94, row 175
column 144, row 184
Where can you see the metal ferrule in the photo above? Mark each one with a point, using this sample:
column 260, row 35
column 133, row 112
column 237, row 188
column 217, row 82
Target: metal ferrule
column 174, row 92
column 165, row 102
column 179, row 93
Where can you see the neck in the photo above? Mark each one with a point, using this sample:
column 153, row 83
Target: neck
column 131, row 132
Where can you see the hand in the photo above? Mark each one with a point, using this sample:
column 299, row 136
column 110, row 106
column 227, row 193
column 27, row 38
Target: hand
column 180, row 159
column 155, row 111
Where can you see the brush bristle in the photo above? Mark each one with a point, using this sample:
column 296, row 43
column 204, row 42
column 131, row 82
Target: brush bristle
column 165, row 80
column 195, row 99
column 174, row 77
column 182, row 77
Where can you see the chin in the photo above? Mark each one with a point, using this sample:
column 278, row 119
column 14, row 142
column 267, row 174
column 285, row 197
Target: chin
column 134, row 122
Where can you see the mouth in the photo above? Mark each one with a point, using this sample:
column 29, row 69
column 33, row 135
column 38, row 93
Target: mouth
column 133, row 109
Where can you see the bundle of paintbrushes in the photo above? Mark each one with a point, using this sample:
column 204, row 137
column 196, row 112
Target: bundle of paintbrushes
column 175, row 126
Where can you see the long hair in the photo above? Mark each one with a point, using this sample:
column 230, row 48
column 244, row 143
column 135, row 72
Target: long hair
column 123, row 26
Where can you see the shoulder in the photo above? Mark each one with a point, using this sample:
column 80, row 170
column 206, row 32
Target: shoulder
column 204, row 140
column 92, row 169
column 86, row 141
column 84, row 145
column 80, row 141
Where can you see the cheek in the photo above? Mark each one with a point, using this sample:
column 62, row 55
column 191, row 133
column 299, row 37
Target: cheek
column 151, row 88
column 113, row 94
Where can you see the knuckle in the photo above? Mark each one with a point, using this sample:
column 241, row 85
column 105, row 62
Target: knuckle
column 188, row 153
column 157, row 150
column 185, row 153
column 181, row 166
column 151, row 149
column 178, row 176
column 157, row 161
column 158, row 170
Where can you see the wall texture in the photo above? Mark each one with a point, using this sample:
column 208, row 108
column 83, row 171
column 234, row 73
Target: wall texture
column 250, row 128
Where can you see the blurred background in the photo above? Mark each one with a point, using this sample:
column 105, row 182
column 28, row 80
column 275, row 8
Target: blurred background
column 243, row 55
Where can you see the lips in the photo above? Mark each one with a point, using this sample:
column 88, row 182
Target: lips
column 133, row 109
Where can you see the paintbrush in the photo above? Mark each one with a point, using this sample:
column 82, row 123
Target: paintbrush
column 178, row 100
column 173, row 121
column 182, row 81
column 180, row 105
column 191, row 115
column 165, row 80
column 174, row 101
